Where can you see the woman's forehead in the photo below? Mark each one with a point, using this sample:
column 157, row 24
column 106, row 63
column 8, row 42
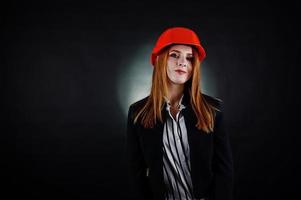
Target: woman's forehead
column 181, row 48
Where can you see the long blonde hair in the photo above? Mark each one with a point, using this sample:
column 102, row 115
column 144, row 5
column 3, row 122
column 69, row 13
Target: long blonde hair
column 151, row 111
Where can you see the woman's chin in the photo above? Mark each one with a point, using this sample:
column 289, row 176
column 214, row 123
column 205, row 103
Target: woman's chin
column 178, row 82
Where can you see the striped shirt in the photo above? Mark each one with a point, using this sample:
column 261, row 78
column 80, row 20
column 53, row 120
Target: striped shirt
column 176, row 157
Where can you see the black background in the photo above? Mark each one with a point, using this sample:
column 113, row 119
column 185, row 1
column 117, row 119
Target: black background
column 63, row 132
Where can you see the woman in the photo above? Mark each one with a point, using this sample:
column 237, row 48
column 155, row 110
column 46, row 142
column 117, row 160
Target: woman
column 176, row 144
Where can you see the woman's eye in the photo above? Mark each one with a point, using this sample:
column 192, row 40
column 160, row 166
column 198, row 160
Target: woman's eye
column 173, row 55
column 190, row 58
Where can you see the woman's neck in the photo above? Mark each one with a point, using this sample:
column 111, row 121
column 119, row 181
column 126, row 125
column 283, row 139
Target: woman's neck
column 175, row 92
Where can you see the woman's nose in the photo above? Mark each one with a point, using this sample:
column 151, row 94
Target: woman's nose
column 182, row 62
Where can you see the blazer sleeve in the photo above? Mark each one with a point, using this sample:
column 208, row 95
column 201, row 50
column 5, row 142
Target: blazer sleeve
column 139, row 188
column 222, row 164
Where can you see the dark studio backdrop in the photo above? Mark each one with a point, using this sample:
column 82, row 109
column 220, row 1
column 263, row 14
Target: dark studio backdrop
column 67, row 78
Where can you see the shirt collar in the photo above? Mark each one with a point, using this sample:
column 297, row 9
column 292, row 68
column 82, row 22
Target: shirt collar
column 167, row 101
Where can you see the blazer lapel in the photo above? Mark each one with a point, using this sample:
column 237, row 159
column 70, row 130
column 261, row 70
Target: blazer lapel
column 195, row 146
column 158, row 158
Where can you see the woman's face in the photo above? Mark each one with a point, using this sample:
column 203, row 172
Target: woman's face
column 179, row 63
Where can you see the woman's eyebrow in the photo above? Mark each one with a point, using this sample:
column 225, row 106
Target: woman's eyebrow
column 189, row 54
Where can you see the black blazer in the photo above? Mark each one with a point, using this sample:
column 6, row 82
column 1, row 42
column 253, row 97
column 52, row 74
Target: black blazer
column 210, row 156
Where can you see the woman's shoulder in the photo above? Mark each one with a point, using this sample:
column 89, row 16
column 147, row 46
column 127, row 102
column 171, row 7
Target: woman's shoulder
column 139, row 104
column 213, row 101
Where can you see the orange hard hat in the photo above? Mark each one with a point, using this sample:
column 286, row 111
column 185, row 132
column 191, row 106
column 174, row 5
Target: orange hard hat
column 177, row 35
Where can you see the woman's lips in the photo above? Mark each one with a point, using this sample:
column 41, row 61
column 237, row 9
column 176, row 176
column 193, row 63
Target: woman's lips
column 180, row 71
